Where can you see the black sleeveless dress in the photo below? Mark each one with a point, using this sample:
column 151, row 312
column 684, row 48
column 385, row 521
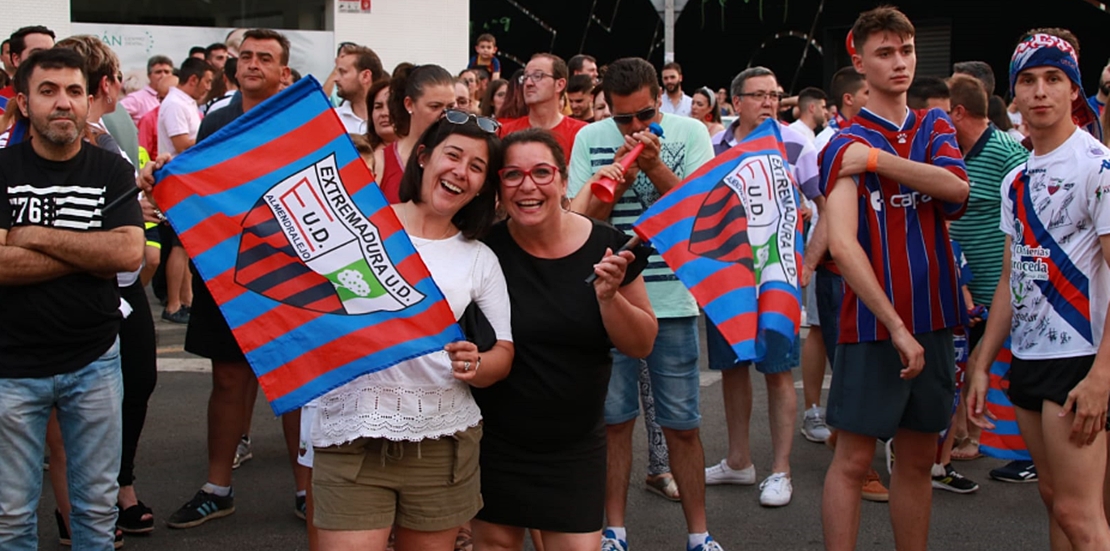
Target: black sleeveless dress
column 543, row 446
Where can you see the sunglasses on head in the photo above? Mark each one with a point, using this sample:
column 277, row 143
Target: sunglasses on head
column 455, row 116
column 644, row 115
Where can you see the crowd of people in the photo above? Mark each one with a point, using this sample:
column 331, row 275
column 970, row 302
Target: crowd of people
column 950, row 203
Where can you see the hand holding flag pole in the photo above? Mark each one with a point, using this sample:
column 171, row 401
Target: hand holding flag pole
column 145, row 182
column 628, row 246
column 605, row 188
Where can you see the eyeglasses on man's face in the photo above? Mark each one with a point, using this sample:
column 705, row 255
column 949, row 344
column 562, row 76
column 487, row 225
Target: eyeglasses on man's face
column 762, row 96
column 535, row 77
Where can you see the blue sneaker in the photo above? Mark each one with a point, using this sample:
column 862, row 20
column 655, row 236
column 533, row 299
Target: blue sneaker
column 202, row 508
column 610, row 542
column 709, row 545
column 1016, row 472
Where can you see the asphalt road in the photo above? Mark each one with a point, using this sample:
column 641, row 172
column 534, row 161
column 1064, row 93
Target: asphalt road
column 172, row 458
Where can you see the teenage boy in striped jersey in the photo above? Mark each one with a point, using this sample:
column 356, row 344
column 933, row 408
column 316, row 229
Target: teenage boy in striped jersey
column 893, row 177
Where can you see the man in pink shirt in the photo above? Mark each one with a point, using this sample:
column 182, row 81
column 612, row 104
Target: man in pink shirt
column 148, row 125
column 141, row 102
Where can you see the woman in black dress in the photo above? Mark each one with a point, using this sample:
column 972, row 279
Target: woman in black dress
column 543, row 449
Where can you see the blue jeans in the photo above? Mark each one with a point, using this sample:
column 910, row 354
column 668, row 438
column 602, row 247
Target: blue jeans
column 673, row 368
column 89, row 403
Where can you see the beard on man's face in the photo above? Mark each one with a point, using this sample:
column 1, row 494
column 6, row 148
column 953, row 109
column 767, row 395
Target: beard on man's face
column 51, row 133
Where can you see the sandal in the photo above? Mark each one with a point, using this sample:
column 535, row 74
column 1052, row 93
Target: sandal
column 63, row 533
column 464, row 541
column 131, row 519
column 664, row 485
column 967, row 450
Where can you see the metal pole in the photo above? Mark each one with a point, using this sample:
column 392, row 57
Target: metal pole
column 668, row 31
column 805, row 47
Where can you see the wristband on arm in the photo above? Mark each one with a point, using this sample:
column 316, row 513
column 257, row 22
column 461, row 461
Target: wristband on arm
column 873, row 160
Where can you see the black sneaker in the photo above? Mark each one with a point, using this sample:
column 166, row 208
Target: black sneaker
column 953, row 481
column 1016, row 472
column 202, row 508
column 180, row 316
column 300, row 508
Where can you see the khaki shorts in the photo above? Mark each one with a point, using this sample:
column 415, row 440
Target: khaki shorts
column 373, row 483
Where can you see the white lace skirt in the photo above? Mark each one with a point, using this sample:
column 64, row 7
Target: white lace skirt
column 368, row 409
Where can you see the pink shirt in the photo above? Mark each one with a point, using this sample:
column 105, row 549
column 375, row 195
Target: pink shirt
column 139, row 103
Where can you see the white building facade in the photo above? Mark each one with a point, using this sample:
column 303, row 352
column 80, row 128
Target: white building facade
column 416, row 31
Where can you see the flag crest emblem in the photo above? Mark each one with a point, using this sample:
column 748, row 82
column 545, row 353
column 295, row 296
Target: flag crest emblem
column 308, row 230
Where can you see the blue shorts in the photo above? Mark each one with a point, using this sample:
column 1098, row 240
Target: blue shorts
column 673, row 367
column 782, row 355
column 830, row 296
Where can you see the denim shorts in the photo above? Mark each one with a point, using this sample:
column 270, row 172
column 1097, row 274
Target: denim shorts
column 782, row 355
column 673, row 367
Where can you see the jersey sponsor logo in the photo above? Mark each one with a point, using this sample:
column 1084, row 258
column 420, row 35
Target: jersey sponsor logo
column 1027, row 261
column 908, row 200
column 899, row 200
column 877, row 200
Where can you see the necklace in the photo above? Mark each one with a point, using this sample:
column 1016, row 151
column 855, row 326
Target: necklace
column 405, row 223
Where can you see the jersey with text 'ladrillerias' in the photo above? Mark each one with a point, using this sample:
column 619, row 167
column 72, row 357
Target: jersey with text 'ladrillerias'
column 902, row 231
column 1054, row 208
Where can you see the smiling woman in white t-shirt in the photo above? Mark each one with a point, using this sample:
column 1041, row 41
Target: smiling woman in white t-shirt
column 400, row 446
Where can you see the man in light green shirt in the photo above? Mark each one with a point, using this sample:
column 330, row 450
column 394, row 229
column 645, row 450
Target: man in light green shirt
column 631, row 88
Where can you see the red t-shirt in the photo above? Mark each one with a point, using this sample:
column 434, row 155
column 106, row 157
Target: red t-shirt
column 6, row 94
column 390, row 179
column 148, row 132
column 564, row 131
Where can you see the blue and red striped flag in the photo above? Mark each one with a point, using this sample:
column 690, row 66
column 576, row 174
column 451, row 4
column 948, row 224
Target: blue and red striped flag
column 732, row 233
column 1004, row 441
column 311, row 268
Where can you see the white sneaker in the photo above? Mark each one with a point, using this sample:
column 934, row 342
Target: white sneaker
column 242, row 453
column 721, row 473
column 610, row 542
column 776, row 490
column 813, row 425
